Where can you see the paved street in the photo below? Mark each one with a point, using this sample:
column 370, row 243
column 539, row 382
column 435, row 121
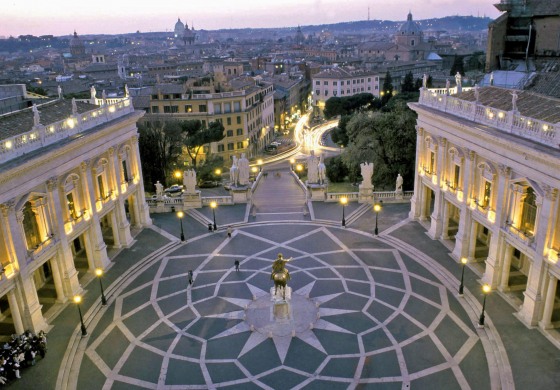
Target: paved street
column 366, row 312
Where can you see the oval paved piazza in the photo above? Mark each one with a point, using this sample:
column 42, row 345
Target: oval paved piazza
column 368, row 316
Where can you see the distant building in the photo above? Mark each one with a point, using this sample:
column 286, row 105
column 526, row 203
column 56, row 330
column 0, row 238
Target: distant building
column 178, row 29
column 343, row 82
column 77, row 47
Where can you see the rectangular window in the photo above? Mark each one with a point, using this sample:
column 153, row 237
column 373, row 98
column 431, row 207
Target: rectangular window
column 335, row 83
column 230, row 146
column 100, row 187
column 202, row 108
column 456, row 176
column 229, row 133
column 228, row 121
column 317, row 82
column 369, row 79
column 236, row 106
column 170, row 109
column 217, row 108
column 317, row 92
column 227, row 107
column 155, row 110
column 166, row 97
column 155, row 97
column 238, row 120
column 325, row 83
column 240, row 145
column 71, row 206
column 239, row 131
column 326, row 93
column 125, row 170
column 220, row 147
column 188, row 108
column 334, row 93
column 432, row 162
column 487, row 193
column 176, row 96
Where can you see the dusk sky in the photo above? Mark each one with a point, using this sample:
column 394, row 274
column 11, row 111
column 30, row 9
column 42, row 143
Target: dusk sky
column 62, row 17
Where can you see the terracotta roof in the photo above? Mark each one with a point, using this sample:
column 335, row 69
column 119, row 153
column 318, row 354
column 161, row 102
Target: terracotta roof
column 529, row 104
column 21, row 121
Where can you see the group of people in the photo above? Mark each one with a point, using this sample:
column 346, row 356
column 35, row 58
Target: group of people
column 21, row 351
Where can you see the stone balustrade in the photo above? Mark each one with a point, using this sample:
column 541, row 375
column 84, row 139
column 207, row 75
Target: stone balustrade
column 543, row 132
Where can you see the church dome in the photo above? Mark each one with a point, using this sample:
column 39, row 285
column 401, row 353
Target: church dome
column 409, row 27
column 76, row 41
column 77, row 47
column 179, row 25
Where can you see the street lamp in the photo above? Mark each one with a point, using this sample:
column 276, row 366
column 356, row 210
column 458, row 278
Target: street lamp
column 177, row 175
column 180, row 214
column 292, row 162
column 99, row 273
column 343, row 202
column 299, row 167
column 377, row 208
column 260, row 163
column 213, row 206
column 77, row 301
column 464, row 262
column 485, row 290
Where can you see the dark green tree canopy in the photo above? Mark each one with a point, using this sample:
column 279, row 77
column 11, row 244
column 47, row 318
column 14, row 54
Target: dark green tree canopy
column 349, row 104
column 387, row 91
column 196, row 135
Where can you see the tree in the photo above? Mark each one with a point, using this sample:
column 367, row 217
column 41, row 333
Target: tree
column 387, row 91
column 160, row 148
column 338, row 134
column 408, row 83
column 457, row 66
column 196, row 135
column 388, row 139
column 207, row 170
column 336, row 170
column 349, row 104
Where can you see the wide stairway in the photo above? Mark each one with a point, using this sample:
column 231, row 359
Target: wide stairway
column 278, row 197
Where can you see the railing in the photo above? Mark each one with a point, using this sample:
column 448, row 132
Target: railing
column 44, row 135
column 525, row 237
column 220, row 200
column 354, row 196
column 508, row 121
column 43, row 246
column 336, row 196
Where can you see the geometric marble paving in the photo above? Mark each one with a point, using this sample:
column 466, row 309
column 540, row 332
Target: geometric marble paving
column 376, row 324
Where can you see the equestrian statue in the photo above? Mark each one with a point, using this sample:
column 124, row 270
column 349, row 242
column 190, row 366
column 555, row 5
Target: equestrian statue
column 280, row 274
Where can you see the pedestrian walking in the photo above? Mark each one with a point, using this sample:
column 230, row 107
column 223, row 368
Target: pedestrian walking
column 229, row 231
column 236, row 265
column 190, row 277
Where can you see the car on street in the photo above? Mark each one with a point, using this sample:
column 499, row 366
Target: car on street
column 208, row 184
column 175, row 189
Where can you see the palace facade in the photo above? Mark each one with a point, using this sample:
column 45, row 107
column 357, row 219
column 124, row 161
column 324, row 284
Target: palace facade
column 71, row 189
column 487, row 180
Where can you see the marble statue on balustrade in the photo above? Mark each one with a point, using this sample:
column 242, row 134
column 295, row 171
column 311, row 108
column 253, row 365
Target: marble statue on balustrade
column 447, row 86
column 492, row 78
column 367, row 173
column 104, row 97
column 459, row 82
column 126, row 91
column 159, row 190
column 321, row 171
column 425, row 81
column 476, row 93
column 59, row 90
column 36, row 117
column 399, row 187
column 74, row 107
column 234, row 172
column 243, row 167
column 189, row 181
column 312, row 168
column 514, row 98
column 92, row 94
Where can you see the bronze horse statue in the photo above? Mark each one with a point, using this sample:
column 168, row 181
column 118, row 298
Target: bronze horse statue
column 280, row 274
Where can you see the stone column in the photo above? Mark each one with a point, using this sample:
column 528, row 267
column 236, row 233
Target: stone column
column 462, row 237
column 436, row 225
column 504, row 279
column 143, row 209
column 446, row 217
column 123, row 226
column 531, row 304
column 32, row 315
column 57, row 278
column 100, row 258
column 16, row 314
column 114, row 228
column 471, row 249
column 546, row 322
column 494, row 260
column 69, row 275
column 415, row 201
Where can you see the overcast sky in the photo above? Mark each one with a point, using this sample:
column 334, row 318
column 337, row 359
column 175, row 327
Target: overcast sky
column 61, row 17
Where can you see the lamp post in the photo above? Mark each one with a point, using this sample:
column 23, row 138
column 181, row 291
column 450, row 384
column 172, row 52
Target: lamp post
column 260, row 163
column 292, row 162
column 377, row 208
column 343, row 202
column 485, row 290
column 180, row 214
column 177, row 175
column 464, row 262
column 99, row 273
column 213, row 206
column 77, row 301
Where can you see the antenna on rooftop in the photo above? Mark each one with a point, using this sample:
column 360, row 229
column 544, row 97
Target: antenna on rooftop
column 368, row 14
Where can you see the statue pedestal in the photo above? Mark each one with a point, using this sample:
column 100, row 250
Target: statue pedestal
column 192, row 200
column 317, row 192
column 160, row 205
column 399, row 195
column 240, row 194
column 279, row 296
column 365, row 194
